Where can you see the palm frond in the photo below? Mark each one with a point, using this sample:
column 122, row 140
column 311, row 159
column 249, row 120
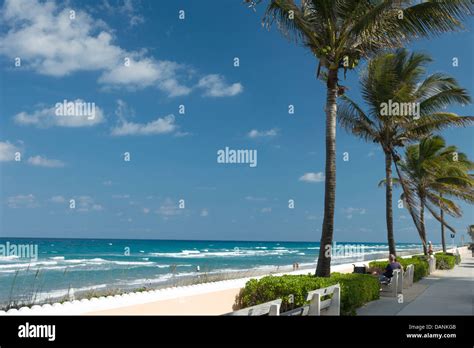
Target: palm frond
column 434, row 17
column 352, row 118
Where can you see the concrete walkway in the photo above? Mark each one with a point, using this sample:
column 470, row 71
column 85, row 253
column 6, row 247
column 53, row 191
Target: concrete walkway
column 449, row 292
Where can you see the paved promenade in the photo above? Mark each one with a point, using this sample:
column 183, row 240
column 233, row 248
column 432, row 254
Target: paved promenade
column 449, row 292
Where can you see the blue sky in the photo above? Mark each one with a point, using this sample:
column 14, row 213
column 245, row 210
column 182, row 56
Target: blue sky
column 186, row 62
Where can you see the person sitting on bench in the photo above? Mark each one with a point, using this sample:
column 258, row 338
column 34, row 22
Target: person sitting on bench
column 386, row 276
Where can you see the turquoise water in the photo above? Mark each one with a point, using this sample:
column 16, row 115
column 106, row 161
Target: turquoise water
column 88, row 264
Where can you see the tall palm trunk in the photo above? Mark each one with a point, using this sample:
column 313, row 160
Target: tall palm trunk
column 323, row 268
column 388, row 203
column 443, row 240
column 422, row 225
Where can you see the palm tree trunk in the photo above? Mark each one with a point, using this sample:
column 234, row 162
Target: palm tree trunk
column 443, row 240
column 323, row 268
column 410, row 202
column 422, row 225
column 388, row 203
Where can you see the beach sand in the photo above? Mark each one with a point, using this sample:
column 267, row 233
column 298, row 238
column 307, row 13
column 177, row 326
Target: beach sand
column 201, row 299
column 214, row 303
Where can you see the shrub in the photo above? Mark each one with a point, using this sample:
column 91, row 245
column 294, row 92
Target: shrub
column 356, row 290
column 421, row 257
column 378, row 265
column 445, row 260
column 421, row 267
column 419, row 262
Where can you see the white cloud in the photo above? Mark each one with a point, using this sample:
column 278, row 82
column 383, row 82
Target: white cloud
column 215, row 86
column 123, row 111
column 22, row 201
column 87, row 203
column 41, row 161
column 57, row 199
column 204, row 213
column 146, row 210
column 42, row 34
column 179, row 134
column 47, row 117
column 7, row 151
column 107, row 183
column 51, row 43
column 120, row 196
column 257, row 199
column 126, row 8
column 351, row 211
column 254, row 133
column 168, row 209
column 160, row 126
column 136, row 20
column 144, row 73
column 312, row 177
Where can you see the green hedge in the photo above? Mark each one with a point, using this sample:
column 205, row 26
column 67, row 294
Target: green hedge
column 356, row 290
column 445, row 260
column 419, row 262
column 421, row 257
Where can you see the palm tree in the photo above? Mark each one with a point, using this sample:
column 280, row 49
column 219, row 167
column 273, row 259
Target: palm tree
column 434, row 173
column 399, row 77
column 459, row 167
column 341, row 32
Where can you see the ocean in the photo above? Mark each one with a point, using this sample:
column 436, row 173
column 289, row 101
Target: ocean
column 95, row 265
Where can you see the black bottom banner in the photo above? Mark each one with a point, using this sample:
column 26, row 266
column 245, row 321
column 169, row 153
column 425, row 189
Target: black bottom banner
column 155, row 331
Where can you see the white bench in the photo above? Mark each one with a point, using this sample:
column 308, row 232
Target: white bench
column 316, row 307
column 395, row 286
column 267, row 308
column 408, row 276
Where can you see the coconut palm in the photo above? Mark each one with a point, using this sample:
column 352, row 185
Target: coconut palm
column 459, row 167
column 339, row 33
column 462, row 166
column 435, row 174
column 399, row 78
